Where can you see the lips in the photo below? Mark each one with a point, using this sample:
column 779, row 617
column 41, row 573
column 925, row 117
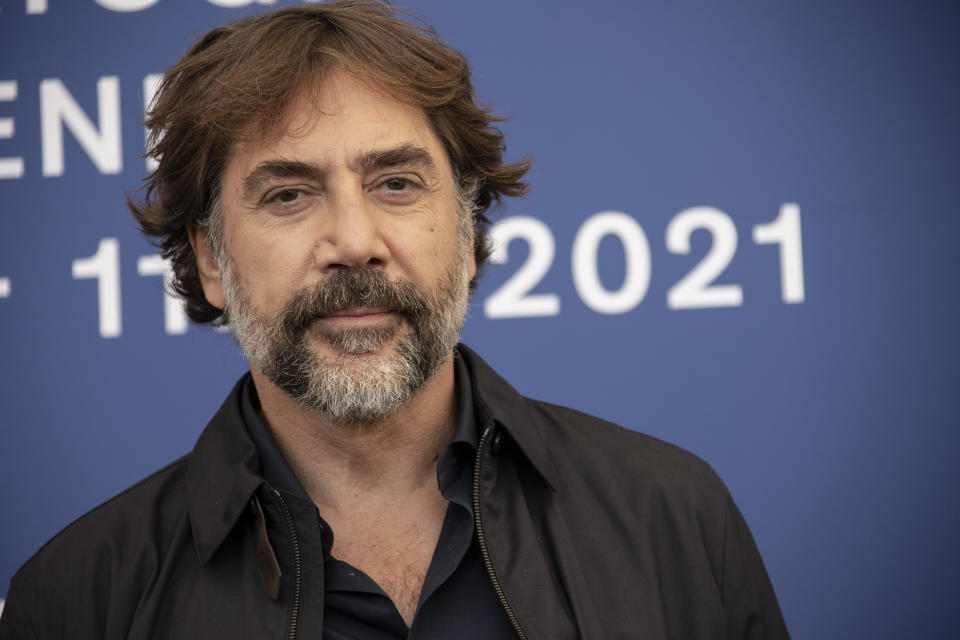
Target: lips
column 357, row 316
column 356, row 312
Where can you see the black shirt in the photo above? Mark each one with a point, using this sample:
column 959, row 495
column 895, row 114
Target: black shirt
column 458, row 599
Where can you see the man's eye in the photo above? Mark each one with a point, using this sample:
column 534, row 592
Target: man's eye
column 285, row 196
column 396, row 184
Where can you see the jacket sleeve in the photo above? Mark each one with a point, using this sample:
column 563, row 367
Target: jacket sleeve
column 14, row 624
column 748, row 596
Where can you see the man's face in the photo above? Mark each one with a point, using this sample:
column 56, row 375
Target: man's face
column 345, row 263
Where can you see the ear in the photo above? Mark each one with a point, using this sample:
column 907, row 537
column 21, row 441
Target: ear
column 472, row 260
column 207, row 266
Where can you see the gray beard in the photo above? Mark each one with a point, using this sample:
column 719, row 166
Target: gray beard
column 374, row 371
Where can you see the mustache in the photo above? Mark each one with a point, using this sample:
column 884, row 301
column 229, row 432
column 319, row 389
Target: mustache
column 349, row 289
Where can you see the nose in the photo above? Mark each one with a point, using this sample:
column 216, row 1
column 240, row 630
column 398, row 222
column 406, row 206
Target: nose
column 351, row 234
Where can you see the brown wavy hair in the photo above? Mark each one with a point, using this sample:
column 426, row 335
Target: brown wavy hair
column 236, row 83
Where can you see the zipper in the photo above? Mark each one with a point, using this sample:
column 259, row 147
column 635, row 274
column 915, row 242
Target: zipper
column 482, row 539
column 295, row 541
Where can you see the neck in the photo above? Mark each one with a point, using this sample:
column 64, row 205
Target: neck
column 394, row 458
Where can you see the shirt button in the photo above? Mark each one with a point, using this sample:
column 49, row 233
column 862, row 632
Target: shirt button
column 496, row 442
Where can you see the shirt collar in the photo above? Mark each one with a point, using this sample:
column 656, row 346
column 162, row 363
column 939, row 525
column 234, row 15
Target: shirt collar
column 466, row 429
column 498, row 406
column 225, row 467
column 277, row 472
column 222, row 476
column 273, row 465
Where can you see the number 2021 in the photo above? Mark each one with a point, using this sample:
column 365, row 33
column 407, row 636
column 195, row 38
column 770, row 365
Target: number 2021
column 513, row 299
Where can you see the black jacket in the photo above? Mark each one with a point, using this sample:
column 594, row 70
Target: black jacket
column 588, row 530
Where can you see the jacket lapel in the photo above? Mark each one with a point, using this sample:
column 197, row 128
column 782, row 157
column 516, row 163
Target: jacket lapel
column 221, row 477
column 530, row 545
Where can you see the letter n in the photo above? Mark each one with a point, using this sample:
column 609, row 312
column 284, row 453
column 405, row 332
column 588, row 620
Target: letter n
column 59, row 109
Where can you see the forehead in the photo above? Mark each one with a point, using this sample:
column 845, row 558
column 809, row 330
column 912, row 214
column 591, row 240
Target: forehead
column 341, row 116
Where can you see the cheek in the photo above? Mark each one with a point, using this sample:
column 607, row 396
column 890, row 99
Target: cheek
column 426, row 252
column 272, row 266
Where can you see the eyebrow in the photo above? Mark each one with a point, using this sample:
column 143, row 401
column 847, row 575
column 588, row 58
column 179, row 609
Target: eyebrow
column 272, row 169
column 406, row 155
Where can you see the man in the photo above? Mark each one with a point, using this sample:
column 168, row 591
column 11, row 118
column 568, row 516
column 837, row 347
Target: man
column 324, row 175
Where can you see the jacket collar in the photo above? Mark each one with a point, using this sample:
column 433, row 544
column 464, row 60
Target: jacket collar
column 498, row 402
column 222, row 475
column 224, row 468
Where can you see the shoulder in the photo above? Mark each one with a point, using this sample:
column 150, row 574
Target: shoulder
column 581, row 451
column 650, row 500
column 120, row 542
column 613, row 458
column 142, row 544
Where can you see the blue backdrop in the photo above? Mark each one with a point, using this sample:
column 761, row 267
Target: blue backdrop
column 742, row 239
